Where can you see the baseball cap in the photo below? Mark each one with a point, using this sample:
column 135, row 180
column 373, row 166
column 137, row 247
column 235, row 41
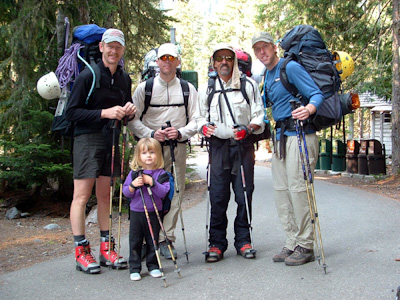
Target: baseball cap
column 168, row 49
column 113, row 35
column 262, row 37
column 223, row 46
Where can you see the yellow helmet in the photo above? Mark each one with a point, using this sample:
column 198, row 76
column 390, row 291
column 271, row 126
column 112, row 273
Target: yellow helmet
column 344, row 64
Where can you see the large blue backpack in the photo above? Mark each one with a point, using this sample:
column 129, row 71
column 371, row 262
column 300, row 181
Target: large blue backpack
column 305, row 45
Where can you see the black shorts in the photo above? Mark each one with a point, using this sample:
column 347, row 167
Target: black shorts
column 92, row 156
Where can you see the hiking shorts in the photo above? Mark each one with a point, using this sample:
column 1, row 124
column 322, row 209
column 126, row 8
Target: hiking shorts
column 92, row 156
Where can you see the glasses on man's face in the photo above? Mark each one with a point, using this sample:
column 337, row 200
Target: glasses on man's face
column 167, row 57
column 220, row 58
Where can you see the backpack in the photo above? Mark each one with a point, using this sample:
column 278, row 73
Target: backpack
column 305, row 45
column 244, row 62
column 166, row 201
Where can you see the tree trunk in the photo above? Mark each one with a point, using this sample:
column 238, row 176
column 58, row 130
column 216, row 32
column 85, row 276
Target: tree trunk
column 396, row 91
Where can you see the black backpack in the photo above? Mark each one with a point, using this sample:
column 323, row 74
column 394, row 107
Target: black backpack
column 305, row 45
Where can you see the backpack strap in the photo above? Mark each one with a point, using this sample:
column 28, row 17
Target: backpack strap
column 148, row 90
column 285, row 81
column 185, row 93
column 164, row 177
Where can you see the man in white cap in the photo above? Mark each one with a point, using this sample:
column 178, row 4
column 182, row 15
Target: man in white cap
column 168, row 99
column 229, row 120
column 288, row 181
column 92, row 152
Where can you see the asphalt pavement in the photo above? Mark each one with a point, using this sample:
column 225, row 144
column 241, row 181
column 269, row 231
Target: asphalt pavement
column 360, row 233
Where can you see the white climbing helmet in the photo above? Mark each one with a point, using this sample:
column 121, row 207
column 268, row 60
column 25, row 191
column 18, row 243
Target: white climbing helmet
column 48, row 86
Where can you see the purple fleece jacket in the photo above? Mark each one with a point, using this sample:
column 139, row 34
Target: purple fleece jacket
column 159, row 191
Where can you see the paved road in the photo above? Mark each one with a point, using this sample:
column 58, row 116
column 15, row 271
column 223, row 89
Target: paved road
column 361, row 239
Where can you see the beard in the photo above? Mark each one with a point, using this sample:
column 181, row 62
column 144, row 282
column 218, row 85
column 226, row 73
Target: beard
column 225, row 70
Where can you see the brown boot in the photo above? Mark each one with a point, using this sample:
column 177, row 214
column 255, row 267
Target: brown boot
column 280, row 257
column 300, row 256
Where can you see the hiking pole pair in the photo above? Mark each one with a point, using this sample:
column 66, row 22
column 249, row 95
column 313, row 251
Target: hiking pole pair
column 171, row 147
column 152, row 233
column 309, row 186
column 253, row 251
column 177, row 270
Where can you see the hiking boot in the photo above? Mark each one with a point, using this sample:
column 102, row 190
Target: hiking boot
column 108, row 256
column 300, row 256
column 280, row 257
column 214, row 254
column 85, row 261
column 247, row 251
column 165, row 251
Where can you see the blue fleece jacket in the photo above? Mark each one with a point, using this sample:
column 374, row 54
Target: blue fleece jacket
column 280, row 96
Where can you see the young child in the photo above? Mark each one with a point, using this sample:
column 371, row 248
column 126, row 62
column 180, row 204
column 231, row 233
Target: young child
column 147, row 169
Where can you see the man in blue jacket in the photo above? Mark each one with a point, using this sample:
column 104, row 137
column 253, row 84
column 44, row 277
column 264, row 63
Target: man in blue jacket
column 288, row 182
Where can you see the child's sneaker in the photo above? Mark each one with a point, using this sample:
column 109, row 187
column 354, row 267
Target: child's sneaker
column 214, row 254
column 156, row 273
column 247, row 251
column 85, row 261
column 109, row 258
column 135, row 276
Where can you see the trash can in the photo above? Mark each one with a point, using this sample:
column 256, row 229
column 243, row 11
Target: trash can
column 362, row 158
column 375, row 158
column 338, row 156
column 192, row 77
column 353, row 148
column 325, row 151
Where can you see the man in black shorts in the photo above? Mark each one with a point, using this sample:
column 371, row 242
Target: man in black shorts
column 95, row 123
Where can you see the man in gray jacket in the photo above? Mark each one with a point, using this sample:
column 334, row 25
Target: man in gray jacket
column 167, row 104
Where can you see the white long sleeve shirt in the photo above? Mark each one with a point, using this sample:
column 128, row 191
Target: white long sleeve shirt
column 244, row 113
column 164, row 93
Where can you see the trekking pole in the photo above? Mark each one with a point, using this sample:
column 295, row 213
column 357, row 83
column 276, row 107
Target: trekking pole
column 114, row 125
column 208, row 217
column 171, row 147
column 253, row 251
column 125, row 120
column 152, row 234
column 177, row 270
column 294, row 105
column 313, row 207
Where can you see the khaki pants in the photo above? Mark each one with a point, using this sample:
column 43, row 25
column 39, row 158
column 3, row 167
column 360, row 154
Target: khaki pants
column 171, row 218
column 290, row 191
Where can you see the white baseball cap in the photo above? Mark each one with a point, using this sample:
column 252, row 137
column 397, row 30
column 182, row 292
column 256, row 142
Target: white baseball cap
column 168, row 49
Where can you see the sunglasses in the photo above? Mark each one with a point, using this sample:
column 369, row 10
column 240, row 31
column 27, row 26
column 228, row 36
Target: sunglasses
column 167, row 57
column 220, row 58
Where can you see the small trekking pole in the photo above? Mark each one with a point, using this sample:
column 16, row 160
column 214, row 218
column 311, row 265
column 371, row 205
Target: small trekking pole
column 171, row 147
column 178, row 270
column 125, row 120
column 114, row 125
column 253, row 251
column 309, row 179
column 152, row 234
column 208, row 217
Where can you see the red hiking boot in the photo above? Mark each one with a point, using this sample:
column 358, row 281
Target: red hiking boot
column 247, row 251
column 214, row 254
column 85, row 261
column 108, row 257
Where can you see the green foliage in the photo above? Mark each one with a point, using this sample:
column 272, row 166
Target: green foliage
column 26, row 165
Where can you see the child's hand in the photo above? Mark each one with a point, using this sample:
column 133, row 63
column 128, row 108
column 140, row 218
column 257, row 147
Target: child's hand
column 138, row 181
column 147, row 179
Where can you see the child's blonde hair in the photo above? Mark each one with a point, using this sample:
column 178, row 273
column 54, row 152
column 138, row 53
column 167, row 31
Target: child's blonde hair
column 147, row 144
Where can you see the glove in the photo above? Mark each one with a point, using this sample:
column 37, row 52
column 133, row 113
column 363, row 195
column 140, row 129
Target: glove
column 242, row 132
